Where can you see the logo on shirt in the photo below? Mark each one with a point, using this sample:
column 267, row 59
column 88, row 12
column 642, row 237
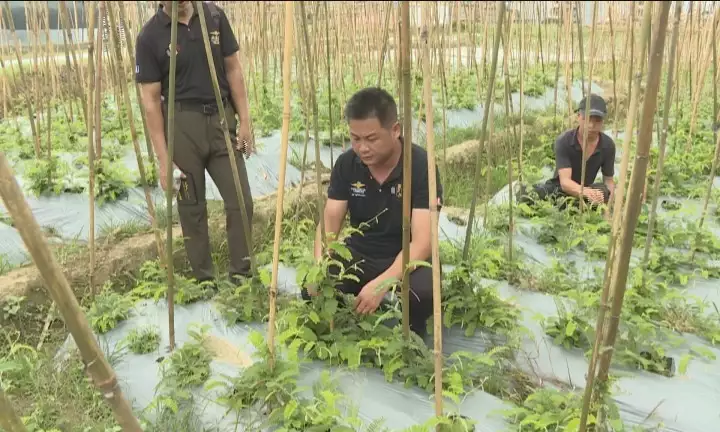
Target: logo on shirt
column 397, row 191
column 215, row 37
column 137, row 68
column 357, row 189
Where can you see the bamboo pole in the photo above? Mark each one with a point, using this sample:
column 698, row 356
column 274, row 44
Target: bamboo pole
column 487, row 106
column 663, row 139
column 407, row 160
column 285, row 133
column 587, row 94
column 632, row 210
column 522, row 101
column 615, row 234
column 98, row 140
column 169, row 172
column 134, row 136
column 228, row 143
column 62, row 295
column 405, row 55
column 28, row 99
column 313, row 103
column 9, row 420
column 131, row 56
column 714, row 166
column 432, row 190
column 329, row 84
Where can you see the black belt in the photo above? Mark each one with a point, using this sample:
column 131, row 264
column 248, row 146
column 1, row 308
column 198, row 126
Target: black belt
column 205, row 108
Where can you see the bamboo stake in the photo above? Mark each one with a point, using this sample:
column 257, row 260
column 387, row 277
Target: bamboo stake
column 285, row 133
column 78, row 76
column 313, row 103
column 637, row 181
column 432, row 190
column 615, row 234
column 57, row 285
column 407, row 161
column 488, row 106
column 663, row 140
column 28, row 101
column 228, row 143
column 93, row 150
column 169, row 171
column 522, row 104
column 9, row 420
column 329, row 85
column 587, row 103
column 713, row 168
column 386, row 33
column 582, row 61
column 136, row 144
column 131, row 56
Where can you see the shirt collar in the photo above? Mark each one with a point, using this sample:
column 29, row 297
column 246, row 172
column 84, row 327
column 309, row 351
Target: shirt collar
column 396, row 173
column 576, row 143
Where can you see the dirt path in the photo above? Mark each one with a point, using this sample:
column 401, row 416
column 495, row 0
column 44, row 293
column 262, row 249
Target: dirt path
column 128, row 254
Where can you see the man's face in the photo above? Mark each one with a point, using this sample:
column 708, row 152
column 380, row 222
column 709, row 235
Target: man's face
column 371, row 141
column 168, row 5
column 593, row 124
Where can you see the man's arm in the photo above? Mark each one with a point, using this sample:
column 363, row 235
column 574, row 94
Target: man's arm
column 233, row 69
column 336, row 206
column 152, row 104
column 334, row 215
column 610, row 183
column 149, row 76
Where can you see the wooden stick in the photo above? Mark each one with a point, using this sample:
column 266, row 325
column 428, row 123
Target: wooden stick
column 432, row 190
column 488, row 106
column 407, row 161
column 169, row 173
column 9, row 420
column 28, row 101
column 134, row 137
column 57, row 285
column 587, row 94
column 663, row 140
column 228, row 143
column 313, row 103
column 285, row 137
column 632, row 211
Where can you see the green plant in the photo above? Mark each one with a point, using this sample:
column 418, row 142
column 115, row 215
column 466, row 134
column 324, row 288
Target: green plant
column 108, row 309
column 143, row 341
column 152, row 284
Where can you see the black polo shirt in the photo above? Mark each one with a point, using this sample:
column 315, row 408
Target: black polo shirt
column 192, row 75
column 379, row 206
column 568, row 154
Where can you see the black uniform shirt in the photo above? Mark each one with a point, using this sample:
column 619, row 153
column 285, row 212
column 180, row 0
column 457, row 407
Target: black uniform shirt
column 192, row 75
column 378, row 207
column 568, row 154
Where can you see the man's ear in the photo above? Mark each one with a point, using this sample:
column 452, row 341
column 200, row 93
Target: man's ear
column 396, row 130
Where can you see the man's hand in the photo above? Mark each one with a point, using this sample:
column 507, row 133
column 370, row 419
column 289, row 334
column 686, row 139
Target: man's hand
column 245, row 140
column 369, row 298
column 594, row 195
column 163, row 175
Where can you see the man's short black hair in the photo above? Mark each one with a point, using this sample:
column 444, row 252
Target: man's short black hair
column 372, row 102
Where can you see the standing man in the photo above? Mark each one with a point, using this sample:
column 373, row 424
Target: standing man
column 600, row 155
column 199, row 138
column 367, row 181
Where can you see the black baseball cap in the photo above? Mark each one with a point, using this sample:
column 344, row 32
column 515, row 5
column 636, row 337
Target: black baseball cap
column 598, row 107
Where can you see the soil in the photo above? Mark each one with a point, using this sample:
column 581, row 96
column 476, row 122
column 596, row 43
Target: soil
column 127, row 255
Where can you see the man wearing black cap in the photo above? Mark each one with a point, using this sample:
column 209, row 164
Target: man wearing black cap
column 599, row 154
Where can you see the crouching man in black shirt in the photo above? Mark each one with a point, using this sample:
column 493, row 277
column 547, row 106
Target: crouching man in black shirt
column 600, row 154
column 367, row 181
